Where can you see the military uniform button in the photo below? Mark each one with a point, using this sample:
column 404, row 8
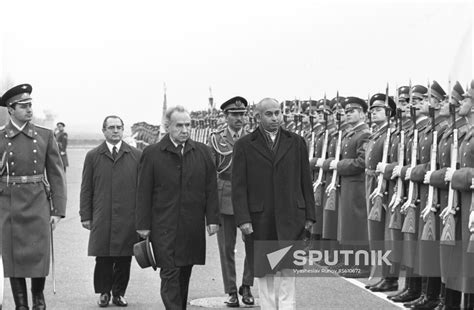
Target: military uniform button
column 442, row 154
column 34, row 171
column 34, row 161
column 12, row 163
column 36, row 133
column 34, row 151
column 13, row 173
column 9, row 143
column 11, row 153
column 34, row 141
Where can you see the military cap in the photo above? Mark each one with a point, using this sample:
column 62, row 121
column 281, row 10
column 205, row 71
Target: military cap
column 324, row 104
column 469, row 91
column 235, row 104
column 458, row 92
column 437, row 91
column 418, row 91
column 18, row 94
column 378, row 100
column 337, row 101
column 61, row 123
column 404, row 92
column 351, row 103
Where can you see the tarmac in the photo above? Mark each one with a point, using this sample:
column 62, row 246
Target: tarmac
column 74, row 272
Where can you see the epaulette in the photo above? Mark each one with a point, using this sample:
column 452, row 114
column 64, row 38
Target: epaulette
column 217, row 131
column 42, row 127
column 2, row 127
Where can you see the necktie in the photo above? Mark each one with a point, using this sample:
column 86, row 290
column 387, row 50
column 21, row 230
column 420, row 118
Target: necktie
column 114, row 153
column 179, row 148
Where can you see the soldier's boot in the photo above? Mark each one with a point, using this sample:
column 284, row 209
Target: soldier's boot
column 37, row 288
column 413, row 292
column 453, row 299
column 20, row 295
column 423, row 296
column 405, row 288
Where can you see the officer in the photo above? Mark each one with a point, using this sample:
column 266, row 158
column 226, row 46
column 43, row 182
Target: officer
column 222, row 144
column 61, row 138
column 31, row 172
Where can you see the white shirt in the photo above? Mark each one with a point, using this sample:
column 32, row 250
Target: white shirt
column 272, row 135
column 110, row 146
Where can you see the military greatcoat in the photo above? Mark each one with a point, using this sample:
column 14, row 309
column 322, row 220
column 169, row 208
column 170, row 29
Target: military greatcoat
column 25, row 209
column 352, row 221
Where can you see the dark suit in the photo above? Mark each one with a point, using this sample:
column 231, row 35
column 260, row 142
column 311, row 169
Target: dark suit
column 176, row 198
column 108, row 200
column 271, row 190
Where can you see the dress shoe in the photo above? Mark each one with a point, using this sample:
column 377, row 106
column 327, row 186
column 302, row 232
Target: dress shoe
column 120, row 301
column 390, row 297
column 385, row 286
column 246, row 294
column 412, row 303
column 440, row 306
column 407, row 296
column 104, row 300
column 369, row 286
column 232, row 301
column 39, row 302
column 427, row 304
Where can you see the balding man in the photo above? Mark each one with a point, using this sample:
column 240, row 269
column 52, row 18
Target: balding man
column 272, row 196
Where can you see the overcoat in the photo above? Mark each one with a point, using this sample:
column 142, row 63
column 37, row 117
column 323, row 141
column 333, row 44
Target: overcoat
column 448, row 254
column 25, row 209
column 107, row 199
column 62, row 138
column 273, row 191
column 352, row 221
column 176, row 198
column 462, row 181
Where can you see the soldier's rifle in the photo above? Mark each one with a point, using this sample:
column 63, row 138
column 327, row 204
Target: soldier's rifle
column 408, row 208
column 376, row 196
column 447, row 215
column 318, row 184
column 397, row 198
column 331, row 189
column 428, row 213
column 369, row 115
column 301, row 131
column 311, row 141
column 470, row 245
column 206, row 130
column 201, row 130
column 49, row 196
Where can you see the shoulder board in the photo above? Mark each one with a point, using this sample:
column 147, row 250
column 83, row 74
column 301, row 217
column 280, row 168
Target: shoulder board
column 2, row 127
column 42, row 127
column 217, row 131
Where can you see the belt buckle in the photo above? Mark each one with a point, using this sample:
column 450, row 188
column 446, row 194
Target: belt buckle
column 23, row 179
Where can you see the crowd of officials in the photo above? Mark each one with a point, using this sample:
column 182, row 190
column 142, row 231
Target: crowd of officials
column 348, row 170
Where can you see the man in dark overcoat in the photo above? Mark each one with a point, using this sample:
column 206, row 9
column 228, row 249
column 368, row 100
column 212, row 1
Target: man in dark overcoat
column 222, row 143
column 176, row 200
column 107, row 209
column 29, row 161
column 272, row 195
column 62, row 138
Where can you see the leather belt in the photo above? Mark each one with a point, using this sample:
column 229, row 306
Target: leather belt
column 23, row 179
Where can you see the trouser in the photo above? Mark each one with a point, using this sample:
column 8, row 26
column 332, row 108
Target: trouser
column 278, row 297
column 226, row 239
column 20, row 294
column 112, row 273
column 174, row 286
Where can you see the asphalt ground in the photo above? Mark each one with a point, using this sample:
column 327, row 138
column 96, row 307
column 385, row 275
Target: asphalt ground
column 74, row 272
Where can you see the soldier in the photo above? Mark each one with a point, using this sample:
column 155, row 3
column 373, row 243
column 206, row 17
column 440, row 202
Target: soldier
column 381, row 108
column 452, row 294
column 61, row 138
column 395, row 235
column 222, row 144
column 427, row 263
column 462, row 180
column 32, row 196
column 352, row 219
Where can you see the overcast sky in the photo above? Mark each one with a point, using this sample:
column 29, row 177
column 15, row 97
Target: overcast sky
column 90, row 58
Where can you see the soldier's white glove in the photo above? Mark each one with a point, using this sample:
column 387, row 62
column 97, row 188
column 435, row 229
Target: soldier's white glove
column 319, row 162
column 449, row 174
column 212, row 229
column 396, row 171
column 54, row 220
column 427, row 177
column 246, row 228
column 381, row 167
column 471, row 221
column 333, row 165
column 408, row 174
